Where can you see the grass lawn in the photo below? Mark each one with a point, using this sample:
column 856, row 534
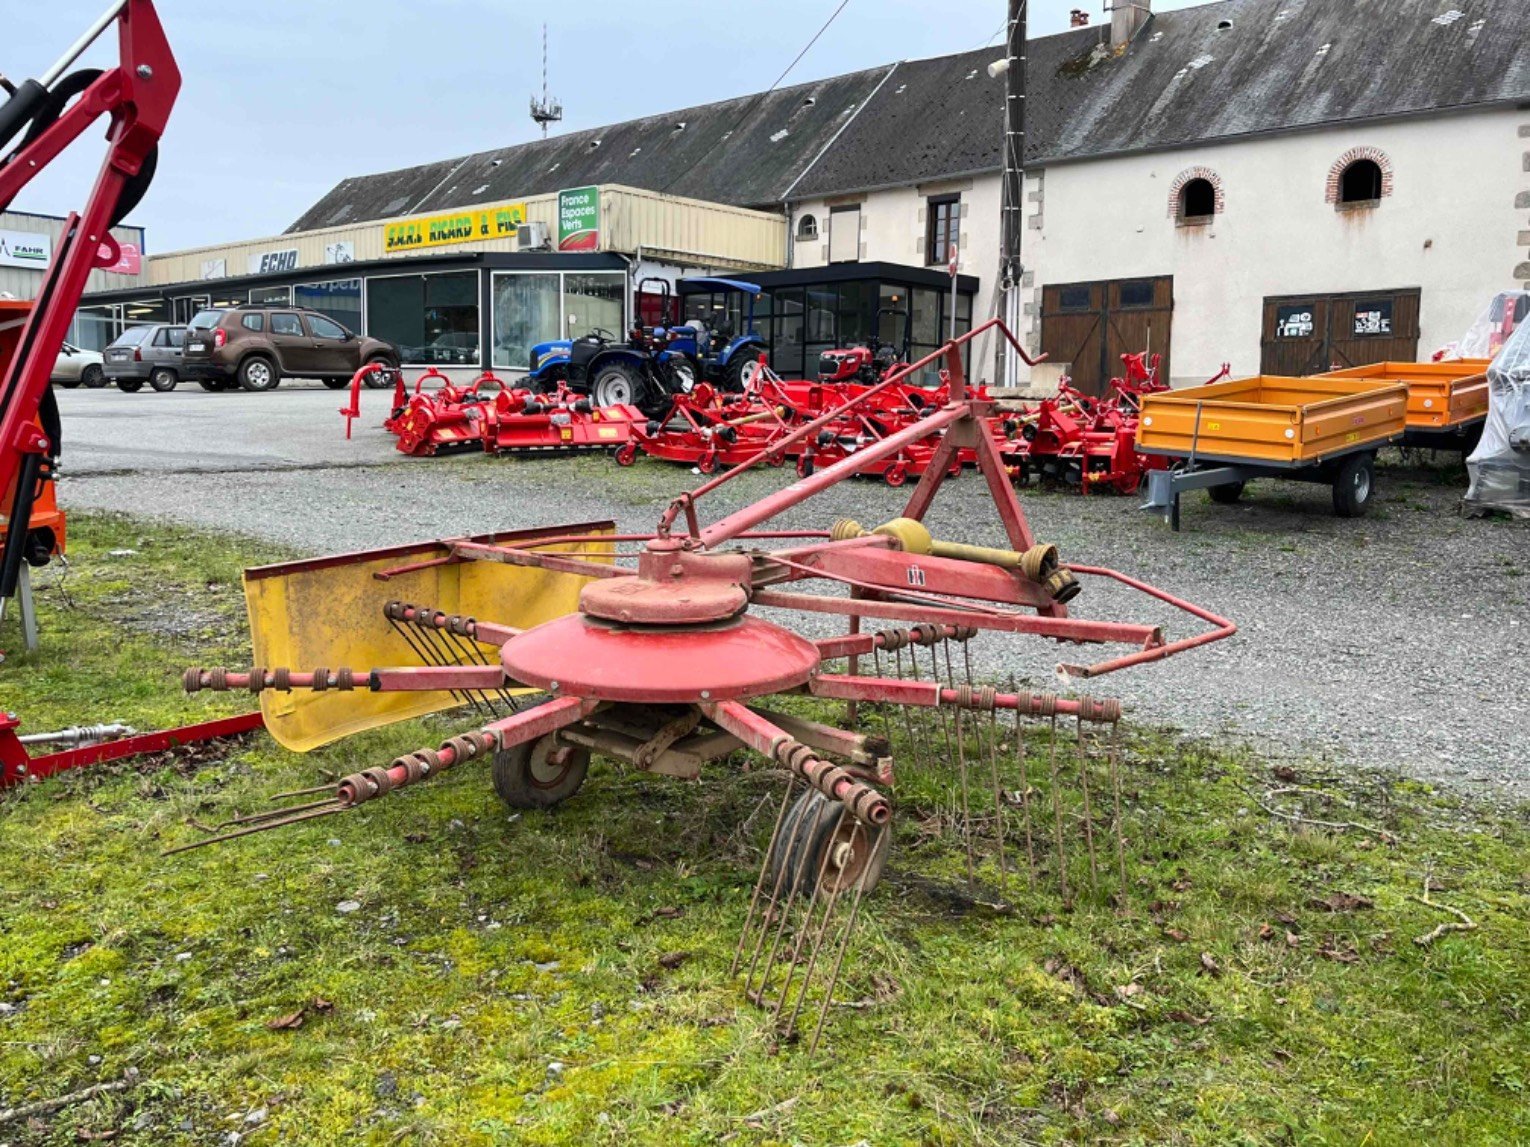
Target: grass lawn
column 501, row 981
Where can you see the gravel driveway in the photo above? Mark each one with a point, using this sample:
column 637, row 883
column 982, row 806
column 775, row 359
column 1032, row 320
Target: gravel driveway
column 1397, row 641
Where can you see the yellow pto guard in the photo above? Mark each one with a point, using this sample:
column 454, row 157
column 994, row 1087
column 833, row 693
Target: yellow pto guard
column 328, row 612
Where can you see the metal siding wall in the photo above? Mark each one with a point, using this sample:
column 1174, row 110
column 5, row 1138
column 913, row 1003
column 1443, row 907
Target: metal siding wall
column 706, row 233
column 24, row 283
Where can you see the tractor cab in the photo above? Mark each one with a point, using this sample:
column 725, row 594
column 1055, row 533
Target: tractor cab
column 719, row 333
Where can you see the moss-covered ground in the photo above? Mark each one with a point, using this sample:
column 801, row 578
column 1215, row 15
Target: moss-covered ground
column 561, row 977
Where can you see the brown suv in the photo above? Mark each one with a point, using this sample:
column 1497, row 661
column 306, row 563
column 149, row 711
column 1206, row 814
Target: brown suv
column 254, row 346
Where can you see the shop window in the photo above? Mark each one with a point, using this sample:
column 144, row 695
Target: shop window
column 845, row 235
column 1360, row 182
column 340, row 300
column 526, row 312
column 788, row 333
column 942, row 228
column 892, row 315
column 1197, row 202
column 857, row 312
column 591, row 301
column 432, row 319
column 807, row 228
column 281, row 296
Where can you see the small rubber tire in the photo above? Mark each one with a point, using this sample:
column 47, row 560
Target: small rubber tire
column 163, row 379
column 540, row 774
column 130, row 385
column 258, row 374
column 627, row 455
column 808, row 830
column 93, row 377
column 707, row 463
column 896, row 475
column 1227, row 495
column 804, row 466
column 377, row 380
column 336, row 383
column 1354, row 486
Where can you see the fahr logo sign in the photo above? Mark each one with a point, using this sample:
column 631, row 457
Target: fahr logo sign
column 274, row 262
column 25, row 249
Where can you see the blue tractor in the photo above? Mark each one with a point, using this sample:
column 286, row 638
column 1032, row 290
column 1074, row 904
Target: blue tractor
column 639, row 371
column 717, row 353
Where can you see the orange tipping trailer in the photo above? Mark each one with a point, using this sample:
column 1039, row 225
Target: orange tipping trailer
column 1321, row 430
column 1447, row 401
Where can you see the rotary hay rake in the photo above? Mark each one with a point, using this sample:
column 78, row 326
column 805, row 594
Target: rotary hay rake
column 665, row 665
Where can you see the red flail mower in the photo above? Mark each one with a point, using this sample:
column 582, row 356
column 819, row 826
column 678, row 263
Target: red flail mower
column 490, row 415
column 650, row 650
column 1087, row 443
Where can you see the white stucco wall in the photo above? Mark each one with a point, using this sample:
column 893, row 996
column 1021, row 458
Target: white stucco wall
column 1450, row 227
column 893, row 230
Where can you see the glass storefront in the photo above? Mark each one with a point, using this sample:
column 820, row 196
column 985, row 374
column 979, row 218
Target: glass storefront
column 432, row 319
column 533, row 307
column 281, row 296
column 340, row 300
column 96, row 327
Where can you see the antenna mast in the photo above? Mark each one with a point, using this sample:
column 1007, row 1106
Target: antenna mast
column 548, row 109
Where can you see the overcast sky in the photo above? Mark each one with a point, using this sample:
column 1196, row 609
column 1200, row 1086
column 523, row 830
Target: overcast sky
column 282, row 99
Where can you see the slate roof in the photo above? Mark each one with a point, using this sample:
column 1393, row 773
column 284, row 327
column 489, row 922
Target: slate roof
column 1281, row 66
column 744, row 151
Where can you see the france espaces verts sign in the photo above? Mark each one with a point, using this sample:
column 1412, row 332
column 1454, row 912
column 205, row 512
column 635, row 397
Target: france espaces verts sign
column 579, row 219
column 497, row 221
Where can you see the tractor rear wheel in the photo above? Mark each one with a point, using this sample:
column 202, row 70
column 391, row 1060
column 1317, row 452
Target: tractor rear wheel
column 808, row 844
column 742, row 369
column 540, row 774
column 617, row 384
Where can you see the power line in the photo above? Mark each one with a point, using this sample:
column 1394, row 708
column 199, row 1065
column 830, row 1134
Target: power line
column 748, row 111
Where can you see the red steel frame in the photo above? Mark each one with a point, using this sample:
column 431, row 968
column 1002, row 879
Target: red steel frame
column 16, row 766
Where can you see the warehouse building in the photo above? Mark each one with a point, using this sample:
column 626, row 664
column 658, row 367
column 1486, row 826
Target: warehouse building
column 1276, row 184
column 27, row 244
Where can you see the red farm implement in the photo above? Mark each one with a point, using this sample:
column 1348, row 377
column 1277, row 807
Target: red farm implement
column 49, row 114
column 488, row 414
column 649, row 650
column 709, row 431
column 1088, row 443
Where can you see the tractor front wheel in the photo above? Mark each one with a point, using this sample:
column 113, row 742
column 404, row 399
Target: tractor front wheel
column 540, row 774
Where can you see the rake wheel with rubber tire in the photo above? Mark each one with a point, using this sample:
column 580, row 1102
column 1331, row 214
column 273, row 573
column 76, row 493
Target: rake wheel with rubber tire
column 258, row 373
column 1354, row 485
column 540, row 774
column 164, row 380
column 808, row 844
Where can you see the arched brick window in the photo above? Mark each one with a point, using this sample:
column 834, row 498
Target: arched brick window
column 1361, row 177
column 1196, row 197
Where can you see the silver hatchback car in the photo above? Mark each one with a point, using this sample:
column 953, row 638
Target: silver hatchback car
column 143, row 354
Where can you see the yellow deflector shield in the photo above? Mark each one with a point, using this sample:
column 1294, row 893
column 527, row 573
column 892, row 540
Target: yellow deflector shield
column 328, row 613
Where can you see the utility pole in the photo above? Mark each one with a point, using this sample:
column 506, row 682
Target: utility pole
column 1011, row 273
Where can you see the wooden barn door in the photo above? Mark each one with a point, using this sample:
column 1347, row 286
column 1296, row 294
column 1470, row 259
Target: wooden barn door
column 1091, row 325
column 1310, row 334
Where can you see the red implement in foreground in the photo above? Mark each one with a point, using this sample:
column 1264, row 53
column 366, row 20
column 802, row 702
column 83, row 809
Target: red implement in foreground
column 651, row 650
column 18, row 766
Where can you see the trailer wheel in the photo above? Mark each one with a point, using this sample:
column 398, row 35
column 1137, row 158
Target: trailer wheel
column 1354, row 485
column 1227, row 495
column 541, row 774
column 93, row 377
column 164, row 380
column 258, row 373
column 810, row 834
column 130, row 385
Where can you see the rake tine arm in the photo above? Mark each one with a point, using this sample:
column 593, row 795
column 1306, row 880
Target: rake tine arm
column 483, row 632
column 406, row 679
column 560, row 563
column 932, row 694
column 769, row 740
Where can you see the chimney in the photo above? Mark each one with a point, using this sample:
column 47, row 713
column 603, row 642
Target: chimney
column 1078, row 18
column 1126, row 19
